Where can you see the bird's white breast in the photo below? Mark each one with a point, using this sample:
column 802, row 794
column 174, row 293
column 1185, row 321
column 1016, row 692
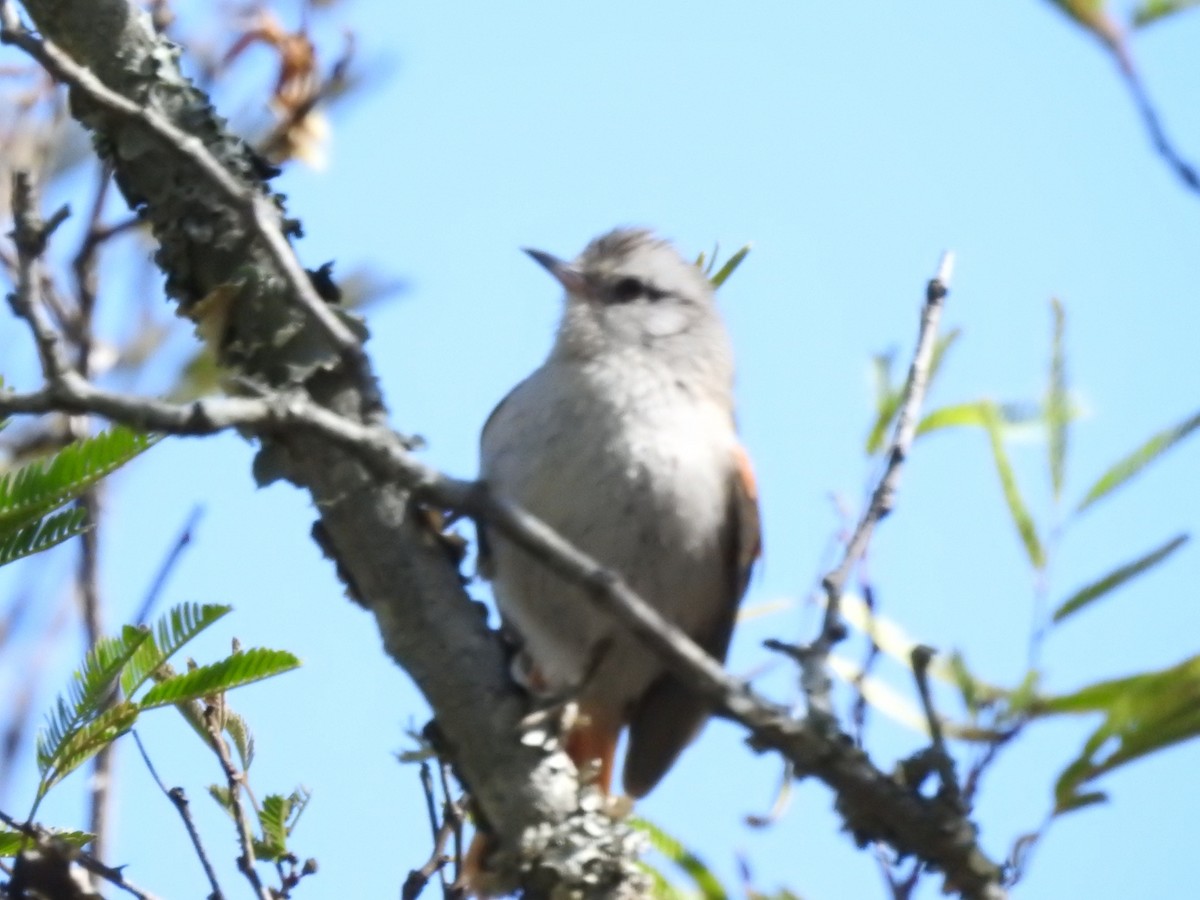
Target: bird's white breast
column 634, row 469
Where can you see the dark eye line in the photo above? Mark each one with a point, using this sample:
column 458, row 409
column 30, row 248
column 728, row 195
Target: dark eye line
column 629, row 289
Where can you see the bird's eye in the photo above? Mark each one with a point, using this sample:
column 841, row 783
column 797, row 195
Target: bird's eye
column 627, row 289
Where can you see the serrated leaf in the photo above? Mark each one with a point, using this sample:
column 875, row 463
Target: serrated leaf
column 239, row 733
column 731, row 266
column 277, row 817
column 1114, row 579
column 1129, row 466
column 1058, row 413
column 173, row 630
column 40, row 487
column 239, row 669
column 88, row 740
column 706, row 882
column 272, row 818
column 1012, row 494
column 42, row 534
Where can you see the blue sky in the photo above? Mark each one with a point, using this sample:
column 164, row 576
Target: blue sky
column 851, row 149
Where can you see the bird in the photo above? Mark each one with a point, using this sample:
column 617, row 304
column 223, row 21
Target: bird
column 624, row 442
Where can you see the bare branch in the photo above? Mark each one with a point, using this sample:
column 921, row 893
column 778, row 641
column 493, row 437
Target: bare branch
column 322, row 433
column 179, row 800
column 815, row 678
column 60, row 853
column 234, row 782
column 873, row 804
column 258, row 212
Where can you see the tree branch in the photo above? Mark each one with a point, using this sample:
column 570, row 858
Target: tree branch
column 317, row 420
column 50, row 871
column 875, row 806
column 230, row 273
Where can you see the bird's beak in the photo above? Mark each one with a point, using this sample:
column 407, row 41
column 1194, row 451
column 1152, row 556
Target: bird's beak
column 571, row 279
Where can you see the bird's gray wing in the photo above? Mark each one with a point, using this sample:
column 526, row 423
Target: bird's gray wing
column 670, row 714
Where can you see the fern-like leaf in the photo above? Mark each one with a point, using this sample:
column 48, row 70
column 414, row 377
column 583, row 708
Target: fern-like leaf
column 239, row 733
column 173, row 630
column 241, row 668
column 86, row 741
column 90, row 688
column 41, row 534
column 278, row 817
column 40, row 487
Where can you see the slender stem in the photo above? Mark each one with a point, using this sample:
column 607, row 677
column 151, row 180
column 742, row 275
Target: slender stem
column 180, row 802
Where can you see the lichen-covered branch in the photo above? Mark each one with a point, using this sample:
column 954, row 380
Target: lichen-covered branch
column 316, row 413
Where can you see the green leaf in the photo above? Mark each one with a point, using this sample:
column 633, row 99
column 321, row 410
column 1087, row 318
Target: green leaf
column 660, row 888
column 14, row 842
column 35, row 489
column 42, row 534
column 239, row 733
column 1058, row 411
column 91, row 688
column 241, row 668
column 272, row 817
column 1117, row 577
column 180, row 625
column 1132, row 464
column 220, row 793
column 277, row 818
column 973, row 415
column 730, row 266
column 1012, row 494
column 707, row 884
column 1153, row 10
column 86, row 741
column 940, row 347
column 1070, row 802
column 887, row 401
column 1142, row 714
column 888, row 397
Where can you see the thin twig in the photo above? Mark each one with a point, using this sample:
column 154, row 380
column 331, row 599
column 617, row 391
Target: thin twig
column 1184, row 170
column 233, row 780
column 415, row 883
column 920, row 657
column 858, row 715
column 44, row 839
column 180, row 802
column 256, row 210
column 914, row 825
column 815, row 677
column 452, row 812
column 168, row 565
column 30, row 235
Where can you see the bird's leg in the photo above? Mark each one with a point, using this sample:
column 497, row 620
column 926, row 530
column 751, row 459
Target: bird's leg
column 592, row 745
